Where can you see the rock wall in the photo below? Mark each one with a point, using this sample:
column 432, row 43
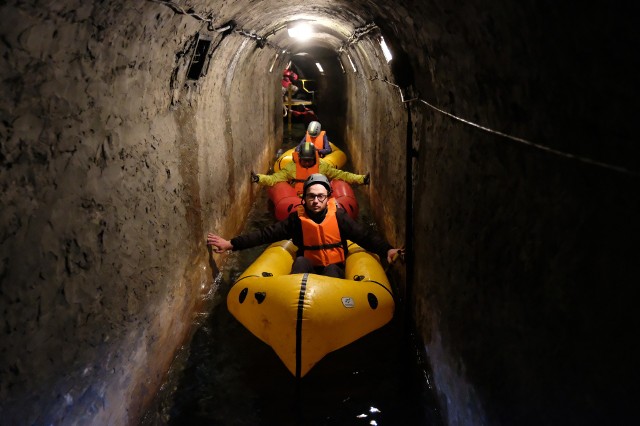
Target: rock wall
column 525, row 255
column 114, row 166
column 525, row 249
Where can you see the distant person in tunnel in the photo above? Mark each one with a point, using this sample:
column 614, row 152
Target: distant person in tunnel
column 305, row 163
column 304, row 114
column 288, row 77
column 319, row 228
column 317, row 137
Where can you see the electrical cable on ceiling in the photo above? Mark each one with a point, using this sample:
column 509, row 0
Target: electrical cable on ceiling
column 262, row 41
column 585, row 160
column 178, row 9
column 357, row 35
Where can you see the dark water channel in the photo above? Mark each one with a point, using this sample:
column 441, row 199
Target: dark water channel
column 227, row 376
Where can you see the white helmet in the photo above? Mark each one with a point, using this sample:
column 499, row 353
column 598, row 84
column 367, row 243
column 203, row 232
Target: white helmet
column 314, row 128
column 315, row 179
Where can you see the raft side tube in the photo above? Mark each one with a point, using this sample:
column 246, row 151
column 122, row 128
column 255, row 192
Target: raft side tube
column 284, row 199
column 344, row 195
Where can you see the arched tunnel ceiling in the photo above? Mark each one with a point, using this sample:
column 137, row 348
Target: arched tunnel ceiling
column 333, row 22
column 330, row 34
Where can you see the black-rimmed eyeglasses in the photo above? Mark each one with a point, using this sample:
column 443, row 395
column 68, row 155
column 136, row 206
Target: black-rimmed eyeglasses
column 320, row 197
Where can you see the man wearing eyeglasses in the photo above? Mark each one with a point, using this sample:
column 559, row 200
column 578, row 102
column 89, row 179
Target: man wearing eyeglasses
column 305, row 163
column 320, row 229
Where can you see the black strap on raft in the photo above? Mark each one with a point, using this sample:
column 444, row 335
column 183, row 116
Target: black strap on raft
column 323, row 246
column 303, row 289
column 245, row 277
column 381, row 286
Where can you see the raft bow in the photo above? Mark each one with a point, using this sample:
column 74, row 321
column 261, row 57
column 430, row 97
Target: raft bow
column 303, row 317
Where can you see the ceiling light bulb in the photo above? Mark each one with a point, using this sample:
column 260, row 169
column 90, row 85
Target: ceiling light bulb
column 301, row 31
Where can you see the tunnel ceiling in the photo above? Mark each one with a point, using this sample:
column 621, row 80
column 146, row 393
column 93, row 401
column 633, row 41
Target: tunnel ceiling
column 333, row 22
column 330, row 34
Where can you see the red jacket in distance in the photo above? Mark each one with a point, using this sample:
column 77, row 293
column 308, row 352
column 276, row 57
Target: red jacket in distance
column 288, row 77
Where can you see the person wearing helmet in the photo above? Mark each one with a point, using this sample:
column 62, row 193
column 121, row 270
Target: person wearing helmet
column 307, row 156
column 319, row 228
column 317, row 137
column 305, row 163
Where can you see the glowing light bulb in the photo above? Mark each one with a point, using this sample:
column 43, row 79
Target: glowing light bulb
column 301, row 31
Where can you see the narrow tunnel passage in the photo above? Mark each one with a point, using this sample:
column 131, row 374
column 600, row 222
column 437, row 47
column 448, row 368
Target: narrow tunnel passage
column 118, row 152
column 226, row 375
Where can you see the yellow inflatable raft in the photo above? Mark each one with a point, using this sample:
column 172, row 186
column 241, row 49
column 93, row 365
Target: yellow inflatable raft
column 337, row 158
column 303, row 317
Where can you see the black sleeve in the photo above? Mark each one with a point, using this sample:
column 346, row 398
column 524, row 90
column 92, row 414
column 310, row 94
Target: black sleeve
column 270, row 234
column 361, row 235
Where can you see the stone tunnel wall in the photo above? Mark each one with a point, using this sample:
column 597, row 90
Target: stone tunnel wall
column 524, row 255
column 114, row 166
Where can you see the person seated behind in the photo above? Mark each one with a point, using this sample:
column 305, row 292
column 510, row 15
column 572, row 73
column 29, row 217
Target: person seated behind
column 301, row 112
column 318, row 138
column 305, row 163
column 319, row 228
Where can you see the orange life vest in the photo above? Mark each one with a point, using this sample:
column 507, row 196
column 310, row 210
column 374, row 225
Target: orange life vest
column 321, row 242
column 301, row 173
column 318, row 141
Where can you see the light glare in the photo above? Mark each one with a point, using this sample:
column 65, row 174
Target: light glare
column 385, row 50
column 351, row 62
column 300, row 31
